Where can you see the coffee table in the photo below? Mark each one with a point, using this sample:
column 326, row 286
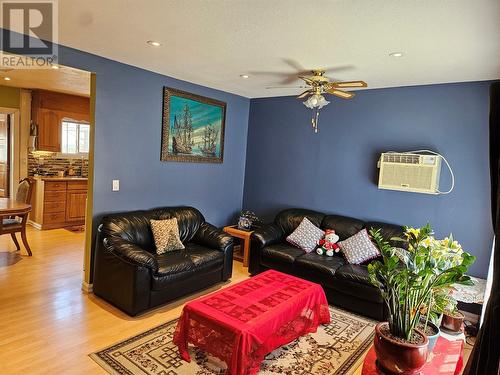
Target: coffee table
column 241, row 324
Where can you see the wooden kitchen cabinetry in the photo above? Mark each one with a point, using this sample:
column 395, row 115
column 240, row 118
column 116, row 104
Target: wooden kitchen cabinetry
column 59, row 202
column 76, row 200
column 48, row 109
column 49, row 130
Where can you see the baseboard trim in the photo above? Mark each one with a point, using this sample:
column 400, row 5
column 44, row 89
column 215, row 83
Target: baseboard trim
column 35, row 225
column 86, row 287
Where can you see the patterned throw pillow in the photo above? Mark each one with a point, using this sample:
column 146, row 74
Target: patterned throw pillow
column 359, row 248
column 166, row 235
column 306, row 236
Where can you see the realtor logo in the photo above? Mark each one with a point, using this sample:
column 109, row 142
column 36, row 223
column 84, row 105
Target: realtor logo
column 29, row 30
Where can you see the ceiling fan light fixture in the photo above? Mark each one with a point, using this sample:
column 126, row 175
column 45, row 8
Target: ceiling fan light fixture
column 316, row 101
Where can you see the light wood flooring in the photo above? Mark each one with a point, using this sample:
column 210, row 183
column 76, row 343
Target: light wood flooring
column 47, row 324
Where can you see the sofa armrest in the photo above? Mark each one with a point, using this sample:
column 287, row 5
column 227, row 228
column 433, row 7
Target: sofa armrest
column 267, row 234
column 214, row 238
column 210, row 236
column 131, row 252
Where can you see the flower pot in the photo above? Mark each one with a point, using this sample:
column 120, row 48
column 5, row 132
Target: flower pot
column 397, row 356
column 453, row 322
column 432, row 338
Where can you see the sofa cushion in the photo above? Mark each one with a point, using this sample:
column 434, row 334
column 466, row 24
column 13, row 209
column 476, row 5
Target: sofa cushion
column 388, row 231
column 202, row 256
column 133, row 227
column 282, row 252
column 290, row 219
column 353, row 279
column 173, row 262
column 316, row 263
column 189, row 219
column 181, row 265
column 354, row 272
column 166, row 235
column 306, row 236
column 343, row 226
column 359, row 248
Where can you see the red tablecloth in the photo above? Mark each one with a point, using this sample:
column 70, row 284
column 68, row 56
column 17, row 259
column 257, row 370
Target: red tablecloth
column 446, row 359
column 243, row 323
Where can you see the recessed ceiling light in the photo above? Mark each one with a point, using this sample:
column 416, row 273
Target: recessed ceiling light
column 6, row 78
column 244, row 76
column 153, row 43
column 396, row 54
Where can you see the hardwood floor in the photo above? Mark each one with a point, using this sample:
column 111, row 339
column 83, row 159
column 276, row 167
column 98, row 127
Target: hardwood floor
column 47, row 324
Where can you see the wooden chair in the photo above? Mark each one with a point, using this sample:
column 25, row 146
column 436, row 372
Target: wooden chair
column 13, row 224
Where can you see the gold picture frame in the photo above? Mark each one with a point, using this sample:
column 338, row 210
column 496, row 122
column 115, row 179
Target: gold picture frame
column 193, row 128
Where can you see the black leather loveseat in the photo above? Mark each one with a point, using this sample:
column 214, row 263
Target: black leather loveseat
column 130, row 275
column 345, row 285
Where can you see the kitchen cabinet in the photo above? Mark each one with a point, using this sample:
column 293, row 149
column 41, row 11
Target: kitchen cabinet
column 48, row 109
column 59, row 202
column 76, row 200
column 49, row 130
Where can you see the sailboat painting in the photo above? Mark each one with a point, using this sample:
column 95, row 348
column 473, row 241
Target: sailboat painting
column 193, row 128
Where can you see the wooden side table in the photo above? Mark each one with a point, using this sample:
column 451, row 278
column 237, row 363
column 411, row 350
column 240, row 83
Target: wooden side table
column 233, row 230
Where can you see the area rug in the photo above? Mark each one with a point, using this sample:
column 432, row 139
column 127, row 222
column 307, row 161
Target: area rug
column 335, row 349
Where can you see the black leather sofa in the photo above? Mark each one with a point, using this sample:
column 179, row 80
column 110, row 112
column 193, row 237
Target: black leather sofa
column 130, row 275
column 345, row 285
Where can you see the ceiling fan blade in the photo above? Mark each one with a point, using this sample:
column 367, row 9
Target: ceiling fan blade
column 286, row 87
column 307, row 80
column 294, row 64
column 349, row 84
column 341, row 94
column 304, row 94
column 339, row 68
column 293, row 78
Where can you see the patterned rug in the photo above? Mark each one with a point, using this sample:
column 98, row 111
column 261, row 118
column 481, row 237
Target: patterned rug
column 335, row 349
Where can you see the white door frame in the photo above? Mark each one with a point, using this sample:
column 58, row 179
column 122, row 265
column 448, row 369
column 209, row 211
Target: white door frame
column 14, row 140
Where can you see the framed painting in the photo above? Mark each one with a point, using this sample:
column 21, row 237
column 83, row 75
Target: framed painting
column 193, row 128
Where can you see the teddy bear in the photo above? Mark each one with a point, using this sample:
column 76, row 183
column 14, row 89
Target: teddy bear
column 328, row 244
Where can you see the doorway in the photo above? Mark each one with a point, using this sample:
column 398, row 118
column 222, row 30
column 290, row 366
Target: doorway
column 41, row 101
column 5, row 119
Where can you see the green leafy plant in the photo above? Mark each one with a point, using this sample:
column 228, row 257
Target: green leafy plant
column 416, row 282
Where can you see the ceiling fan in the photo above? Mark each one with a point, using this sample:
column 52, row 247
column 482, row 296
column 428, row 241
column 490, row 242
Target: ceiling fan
column 318, row 85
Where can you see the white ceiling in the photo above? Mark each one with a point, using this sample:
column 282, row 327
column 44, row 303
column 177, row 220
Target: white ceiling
column 212, row 42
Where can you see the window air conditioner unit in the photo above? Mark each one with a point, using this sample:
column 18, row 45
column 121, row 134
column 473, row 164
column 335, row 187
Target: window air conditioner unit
column 410, row 172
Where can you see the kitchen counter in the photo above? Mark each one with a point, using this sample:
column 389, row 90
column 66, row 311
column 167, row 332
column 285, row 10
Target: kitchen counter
column 56, row 178
column 59, row 202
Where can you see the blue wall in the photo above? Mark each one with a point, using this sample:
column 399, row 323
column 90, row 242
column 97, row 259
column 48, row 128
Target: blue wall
column 128, row 138
column 335, row 170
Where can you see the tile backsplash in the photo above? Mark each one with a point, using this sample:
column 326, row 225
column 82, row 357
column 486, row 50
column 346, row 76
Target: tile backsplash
column 51, row 163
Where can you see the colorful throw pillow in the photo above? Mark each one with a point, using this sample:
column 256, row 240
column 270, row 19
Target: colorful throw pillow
column 306, row 236
column 359, row 248
column 166, row 235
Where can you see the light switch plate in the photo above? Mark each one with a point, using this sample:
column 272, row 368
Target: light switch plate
column 116, row 185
